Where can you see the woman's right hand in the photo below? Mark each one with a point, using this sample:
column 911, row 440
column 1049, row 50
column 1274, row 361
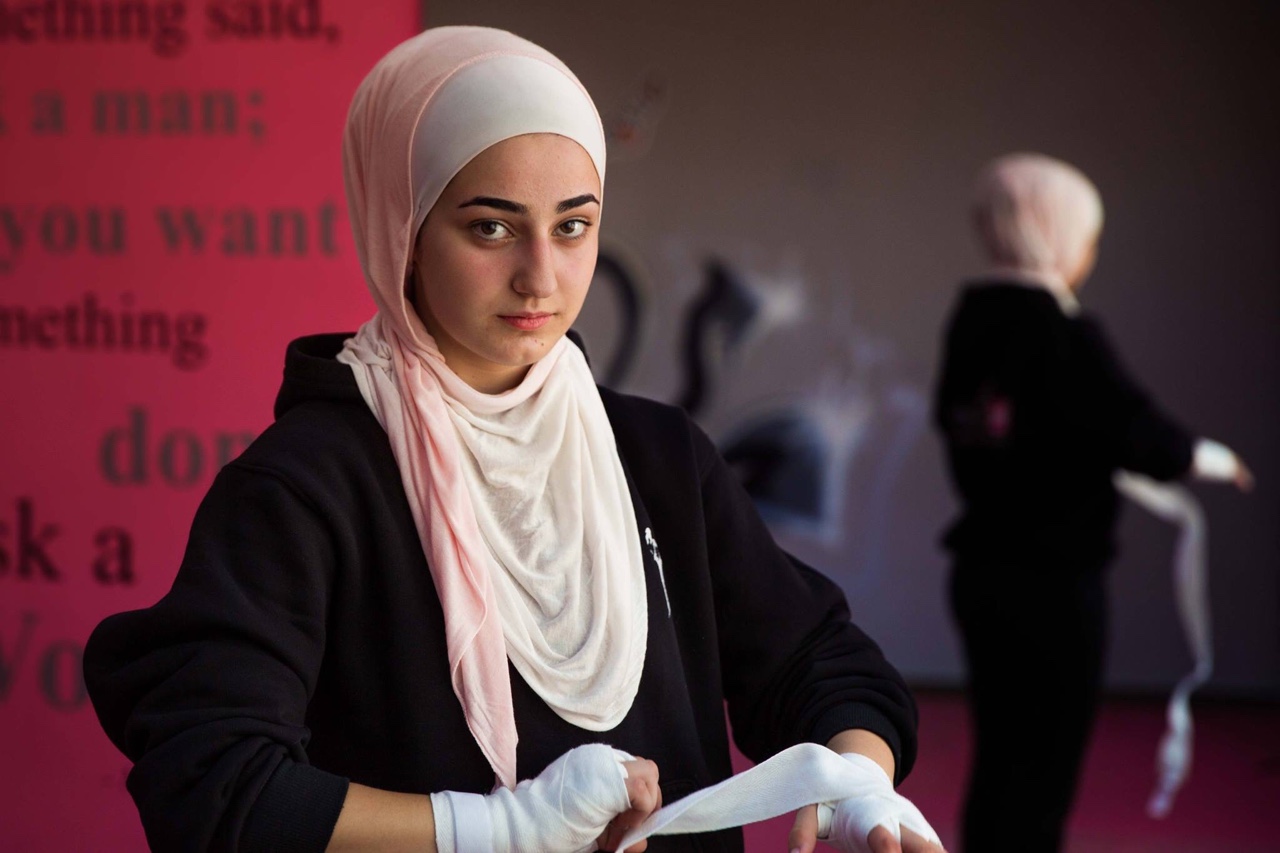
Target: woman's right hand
column 645, row 797
column 1215, row 462
column 587, row 796
column 1244, row 477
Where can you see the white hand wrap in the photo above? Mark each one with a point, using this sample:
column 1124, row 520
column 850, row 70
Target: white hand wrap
column 1214, row 462
column 858, row 794
column 565, row 808
column 846, row 823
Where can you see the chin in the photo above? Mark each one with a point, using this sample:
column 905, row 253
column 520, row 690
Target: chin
column 527, row 352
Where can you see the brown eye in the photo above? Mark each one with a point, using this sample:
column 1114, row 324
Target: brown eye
column 490, row 229
column 573, row 228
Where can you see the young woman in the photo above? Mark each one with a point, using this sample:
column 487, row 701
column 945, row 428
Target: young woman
column 1038, row 415
column 453, row 560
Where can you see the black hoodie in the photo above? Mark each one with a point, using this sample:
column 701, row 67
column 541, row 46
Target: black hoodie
column 302, row 644
column 1038, row 413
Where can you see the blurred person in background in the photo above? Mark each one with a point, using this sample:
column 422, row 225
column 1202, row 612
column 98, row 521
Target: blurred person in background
column 1038, row 414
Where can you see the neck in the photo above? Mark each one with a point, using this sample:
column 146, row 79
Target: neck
column 1055, row 284
column 496, row 380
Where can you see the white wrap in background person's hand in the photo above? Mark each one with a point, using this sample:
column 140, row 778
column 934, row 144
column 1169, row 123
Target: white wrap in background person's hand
column 566, row 808
column 847, row 824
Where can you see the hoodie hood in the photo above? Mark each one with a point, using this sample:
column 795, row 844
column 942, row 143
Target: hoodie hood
column 312, row 372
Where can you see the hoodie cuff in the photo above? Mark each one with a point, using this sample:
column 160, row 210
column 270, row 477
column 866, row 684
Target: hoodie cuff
column 296, row 811
column 855, row 716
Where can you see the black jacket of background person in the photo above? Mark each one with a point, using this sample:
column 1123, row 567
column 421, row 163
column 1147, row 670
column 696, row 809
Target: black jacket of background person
column 1037, row 414
column 302, row 644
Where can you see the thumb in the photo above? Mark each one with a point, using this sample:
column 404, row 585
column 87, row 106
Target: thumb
column 804, row 832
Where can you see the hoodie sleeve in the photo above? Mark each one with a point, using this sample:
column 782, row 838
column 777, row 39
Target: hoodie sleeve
column 794, row 667
column 206, row 691
column 1106, row 402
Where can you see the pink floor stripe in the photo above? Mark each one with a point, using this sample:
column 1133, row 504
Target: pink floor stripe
column 1231, row 802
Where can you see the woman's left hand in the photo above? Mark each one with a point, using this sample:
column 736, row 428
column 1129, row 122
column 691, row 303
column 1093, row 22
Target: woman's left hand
column 804, row 838
column 866, row 823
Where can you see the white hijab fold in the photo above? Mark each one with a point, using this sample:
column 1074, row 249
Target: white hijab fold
column 520, row 500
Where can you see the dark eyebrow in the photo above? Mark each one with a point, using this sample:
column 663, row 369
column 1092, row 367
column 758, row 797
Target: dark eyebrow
column 498, row 203
column 522, row 209
column 576, row 201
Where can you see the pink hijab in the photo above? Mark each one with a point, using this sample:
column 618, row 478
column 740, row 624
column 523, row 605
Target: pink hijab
column 393, row 177
column 423, row 112
column 1036, row 217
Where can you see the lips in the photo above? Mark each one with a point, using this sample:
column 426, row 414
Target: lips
column 525, row 322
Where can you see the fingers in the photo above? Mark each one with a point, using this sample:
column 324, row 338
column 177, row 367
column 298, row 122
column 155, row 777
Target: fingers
column 915, row 843
column 645, row 797
column 881, row 840
column 1244, row 477
column 640, row 846
column 642, row 786
column 614, row 832
column 804, row 832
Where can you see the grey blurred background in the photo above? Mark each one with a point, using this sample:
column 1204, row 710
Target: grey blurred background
column 821, row 154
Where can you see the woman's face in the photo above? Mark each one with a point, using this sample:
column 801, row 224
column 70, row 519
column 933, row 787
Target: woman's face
column 505, row 257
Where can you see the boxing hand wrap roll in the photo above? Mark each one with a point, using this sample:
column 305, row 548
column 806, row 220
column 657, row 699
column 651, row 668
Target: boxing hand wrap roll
column 858, row 799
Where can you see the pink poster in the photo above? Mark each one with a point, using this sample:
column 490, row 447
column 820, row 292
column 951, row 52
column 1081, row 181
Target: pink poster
column 171, row 215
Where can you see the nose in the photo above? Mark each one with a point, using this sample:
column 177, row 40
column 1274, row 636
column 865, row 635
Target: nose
column 536, row 275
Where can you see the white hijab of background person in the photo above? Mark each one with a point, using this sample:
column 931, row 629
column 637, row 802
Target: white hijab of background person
column 519, row 498
column 1038, row 219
